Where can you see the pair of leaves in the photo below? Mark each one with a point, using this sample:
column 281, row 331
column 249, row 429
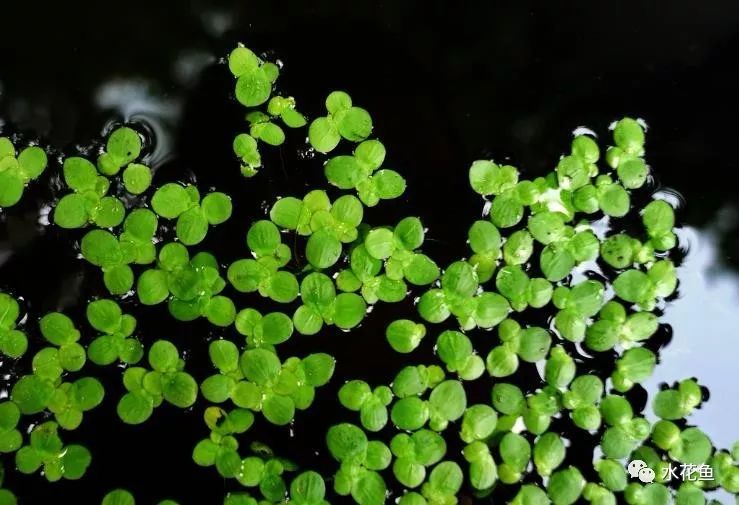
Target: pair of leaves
column 262, row 127
column 88, row 201
column 344, row 120
column 148, row 388
column 50, row 362
column 194, row 216
column 458, row 295
column 17, row 172
column 13, row 342
column 257, row 380
column 398, row 249
column 315, row 212
column 71, row 400
column 322, row 305
column 530, row 345
column 446, row 403
column 455, row 350
column 614, row 326
column 364, row 275
column 194, row 284
column 414, row 453
column 115, row 342
column 113, row 256
column 371, row 404
column 263, row 273
column 361, row 460
column 47, row 450
column 361, row 171
column 260, row 331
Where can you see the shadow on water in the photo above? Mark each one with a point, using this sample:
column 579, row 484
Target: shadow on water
column 444, row 87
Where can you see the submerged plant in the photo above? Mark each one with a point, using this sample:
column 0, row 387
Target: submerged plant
column 531, row 252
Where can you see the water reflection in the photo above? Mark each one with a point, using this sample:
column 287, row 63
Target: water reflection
column 705, row 321
column 137, row 100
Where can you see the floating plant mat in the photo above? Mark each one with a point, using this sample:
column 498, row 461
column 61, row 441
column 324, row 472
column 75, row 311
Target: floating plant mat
column 511, row 373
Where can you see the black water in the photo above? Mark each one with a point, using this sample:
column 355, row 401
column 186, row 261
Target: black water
column 445, row 85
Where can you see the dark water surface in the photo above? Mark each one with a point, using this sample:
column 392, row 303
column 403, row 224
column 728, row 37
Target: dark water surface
column 445, row 86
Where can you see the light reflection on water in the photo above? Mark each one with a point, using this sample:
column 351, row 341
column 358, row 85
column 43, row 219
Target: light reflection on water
column 136, row 100
column 705, row 323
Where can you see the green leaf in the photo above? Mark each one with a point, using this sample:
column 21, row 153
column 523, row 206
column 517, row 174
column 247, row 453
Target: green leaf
column 124, row 144
column 72, row 211
column 242, row 60
column 307, row 488
column 632, row 173
column 109, row 212
column 135, row 407
column 668, row 404
column 179, row 389
column 137, row 178
column 354, row 124
column 478, row 423
column 32, row 162
column 506, row 211
column 268, row 133
column 217, row 208
column 286, row 212
column 629, row 135
column 323, row 134
column 565, row 486
column 388, row 184
column 614, row 200
column 253, row 87
column 338, row 101
column 409, row 413
column 75, row 461
column 318, row 368
column 11, row 188
column 170, row 200
column 370, row 489
column 79, row 174
column 118, row 497
column 87, row 393
column 404, row 335
column 586, row 148
column 549, row 452
column 101, row 248
column 323, row 249
column 449, row 400
column 380, row 243
column 152, row 287
column 487, row 178
column 507, row 398
column 220, row 311
column 346, row 442
column 260, row 365
column 556, row 261
column 263, row 238
column 694, row 447
column 58, row 329
column 636, row 365
column 632, row 286
column 349, row 310
column 535, row 343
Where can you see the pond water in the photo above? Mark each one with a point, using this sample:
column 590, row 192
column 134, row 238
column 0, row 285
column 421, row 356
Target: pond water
column 445, row 86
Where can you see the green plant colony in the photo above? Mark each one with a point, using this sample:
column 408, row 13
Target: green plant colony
column 525, row 254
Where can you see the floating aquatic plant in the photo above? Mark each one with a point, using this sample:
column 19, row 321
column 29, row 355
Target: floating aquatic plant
column 527, row 253
column 17, row 169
